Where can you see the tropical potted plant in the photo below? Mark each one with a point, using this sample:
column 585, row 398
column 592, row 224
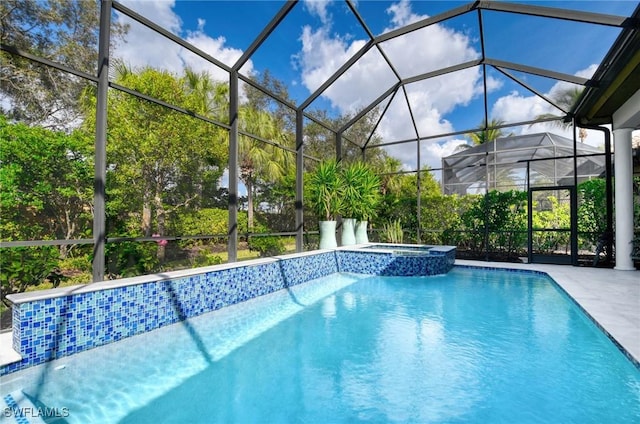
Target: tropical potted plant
column 361, row 199
column 325, row 195
column 370, row 198
column 352, row 176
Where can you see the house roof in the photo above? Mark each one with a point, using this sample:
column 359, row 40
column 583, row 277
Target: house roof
column 616, row 79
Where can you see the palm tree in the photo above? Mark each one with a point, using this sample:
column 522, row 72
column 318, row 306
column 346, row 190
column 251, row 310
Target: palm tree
column 490, row 133
column 389, row 177
column 256, row 159
column 212, row 97
column 565, row 99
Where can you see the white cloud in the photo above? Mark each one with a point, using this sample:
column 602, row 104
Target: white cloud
column 147, row 48
column 396, row 124
column 430, row 48
column 588, row 73
column 142, row 46
column 323, row 52
column 318, row 8
column 216, row 48
column 446, row 92
column 201, row 23
column 401, row 14
column 433, row 152
column 517, row 107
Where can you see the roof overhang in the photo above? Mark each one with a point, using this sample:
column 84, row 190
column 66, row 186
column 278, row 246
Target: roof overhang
column 618, row 78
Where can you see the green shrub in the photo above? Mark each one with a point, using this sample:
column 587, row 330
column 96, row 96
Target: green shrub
column 438, row 213
column 82, row 278
column 266, row 245
column 23, row 267
column 206, row 259
column 79, row 263
column 392, row 232
column 556, row 215
column 206, row 222
column 592, row 212
column 503, row 215
column 130, row 259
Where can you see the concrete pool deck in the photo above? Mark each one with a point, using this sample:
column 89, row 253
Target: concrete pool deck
column 611, row 297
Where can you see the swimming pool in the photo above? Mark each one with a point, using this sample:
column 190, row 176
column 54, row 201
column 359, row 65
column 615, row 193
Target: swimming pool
column 470, row 346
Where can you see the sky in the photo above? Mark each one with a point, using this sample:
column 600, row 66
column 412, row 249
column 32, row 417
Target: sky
column 318, row 36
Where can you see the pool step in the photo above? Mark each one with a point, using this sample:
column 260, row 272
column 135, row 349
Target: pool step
column 19, row 409
column 7, row 354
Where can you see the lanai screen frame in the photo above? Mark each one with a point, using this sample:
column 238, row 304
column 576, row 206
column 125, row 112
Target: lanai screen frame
column 101, row 79
column 490, row 155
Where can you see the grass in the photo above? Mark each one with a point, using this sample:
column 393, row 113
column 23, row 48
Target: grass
column 243, row 255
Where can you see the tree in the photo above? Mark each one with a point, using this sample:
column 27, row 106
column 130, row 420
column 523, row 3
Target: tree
column 277, row 202
column 565, row 99
column 47, row 183
column 64, row 31
column 46, row 187
column 210, row 98
column 400, row 199
column 360, row 133
column 490, row 132
column 321, row 143
column 284, row 117
column 159, row 161
column 258, row 160
column 389, row 177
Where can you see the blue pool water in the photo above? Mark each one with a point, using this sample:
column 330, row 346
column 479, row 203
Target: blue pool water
column 471, row 346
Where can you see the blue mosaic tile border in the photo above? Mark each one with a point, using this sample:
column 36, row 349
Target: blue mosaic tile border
column 51, row 328
column 511, row 270
column 390, row 264
column 301, row 269
column 55, row 327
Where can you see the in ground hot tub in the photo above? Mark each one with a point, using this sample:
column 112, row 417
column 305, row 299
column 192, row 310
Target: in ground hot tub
column 396, row 259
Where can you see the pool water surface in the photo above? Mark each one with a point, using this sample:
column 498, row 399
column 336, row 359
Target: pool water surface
column 473, row 345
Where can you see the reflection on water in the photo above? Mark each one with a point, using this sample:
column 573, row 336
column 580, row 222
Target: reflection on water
column 471, row 346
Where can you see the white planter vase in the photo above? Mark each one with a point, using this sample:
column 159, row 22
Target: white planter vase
column 361, row 232
column 348, row 231
column 328, row 235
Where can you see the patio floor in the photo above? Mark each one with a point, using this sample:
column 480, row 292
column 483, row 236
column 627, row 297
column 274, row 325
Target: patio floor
column 611, row 297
